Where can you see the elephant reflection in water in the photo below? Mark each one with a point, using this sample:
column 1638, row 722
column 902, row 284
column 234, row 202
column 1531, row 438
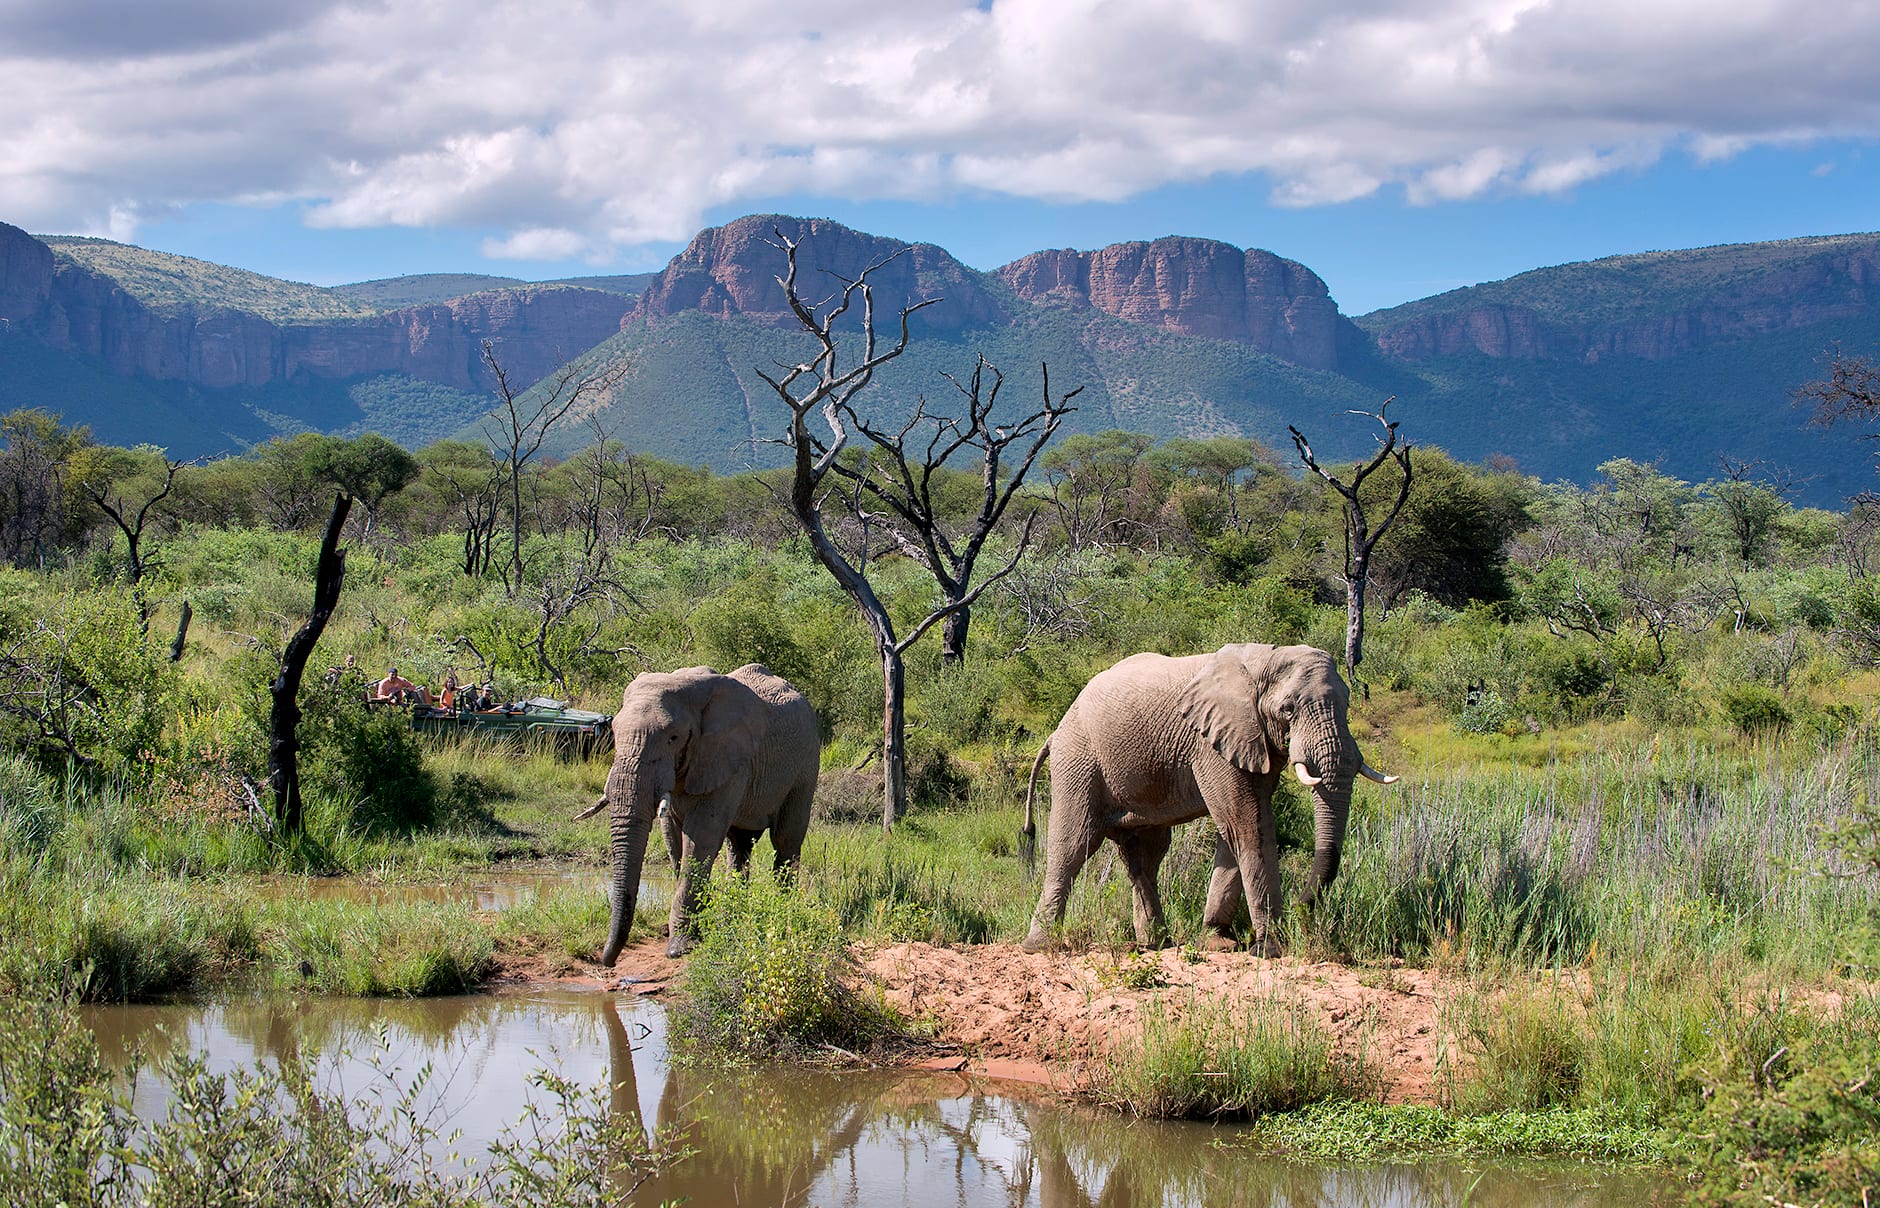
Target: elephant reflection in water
column 757, row 1138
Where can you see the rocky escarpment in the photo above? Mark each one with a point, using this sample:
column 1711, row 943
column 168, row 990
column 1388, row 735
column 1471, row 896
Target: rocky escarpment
column 1635, row 306
column 70, row 308
column 733, row 270
column 1198, row 287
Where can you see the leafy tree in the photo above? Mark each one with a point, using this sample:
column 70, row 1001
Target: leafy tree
column 1450, row 541
column 366, row 468
column 1090, row 480
column 38, row 509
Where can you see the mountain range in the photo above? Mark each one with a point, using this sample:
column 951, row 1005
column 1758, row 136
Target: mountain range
column 1680, row 357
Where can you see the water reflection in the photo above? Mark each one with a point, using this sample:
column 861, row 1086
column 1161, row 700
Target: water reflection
column 785, row 1135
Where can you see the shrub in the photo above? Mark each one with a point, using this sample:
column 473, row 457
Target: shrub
column 768, row 976
column 1800, row 1125
column 1753, row 709
column 368, row 759
column 1486, row 714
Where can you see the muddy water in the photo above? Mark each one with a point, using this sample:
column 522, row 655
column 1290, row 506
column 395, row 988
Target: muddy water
column 777, row 1135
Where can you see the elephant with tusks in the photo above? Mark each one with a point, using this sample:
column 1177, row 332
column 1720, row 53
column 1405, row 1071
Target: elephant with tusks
column 1157, row 741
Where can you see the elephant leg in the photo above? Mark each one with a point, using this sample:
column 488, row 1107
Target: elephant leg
column 740, row 842
column 791, row 827
column 1072, row 840
column 703, row 837
column 1248, row 831
column 1224, row 894
column 1143, row 851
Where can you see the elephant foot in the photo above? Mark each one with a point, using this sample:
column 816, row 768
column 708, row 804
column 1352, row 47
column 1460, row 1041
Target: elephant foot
column 679, row 945
column 1267, row 946
column 1221, row 943
column 1037, row 941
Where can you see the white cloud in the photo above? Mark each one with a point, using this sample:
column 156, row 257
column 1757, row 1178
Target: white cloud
column 537, row 243
column 577, row 128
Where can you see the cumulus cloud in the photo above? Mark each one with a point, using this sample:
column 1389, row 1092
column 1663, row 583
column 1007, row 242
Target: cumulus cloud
column 576, row 128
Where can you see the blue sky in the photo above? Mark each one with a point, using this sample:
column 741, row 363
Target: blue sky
column 1397, row 148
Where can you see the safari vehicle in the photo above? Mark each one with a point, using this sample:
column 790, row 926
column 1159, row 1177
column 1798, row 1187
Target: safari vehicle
column 539, row 719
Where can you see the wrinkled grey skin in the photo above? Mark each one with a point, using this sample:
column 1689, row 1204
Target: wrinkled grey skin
column 1156, row 741
column 732, row 755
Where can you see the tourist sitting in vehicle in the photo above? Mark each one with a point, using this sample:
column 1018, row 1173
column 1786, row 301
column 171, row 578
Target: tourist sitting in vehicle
column 448, row 697
column 399, row 690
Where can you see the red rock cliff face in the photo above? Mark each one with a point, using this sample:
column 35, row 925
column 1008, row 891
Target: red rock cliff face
column 67, row 307
column 1197, row 287
column 733, row 269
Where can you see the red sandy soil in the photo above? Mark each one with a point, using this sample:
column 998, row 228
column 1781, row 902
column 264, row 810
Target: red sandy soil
column 1044, row 1017
column 1050, row 1014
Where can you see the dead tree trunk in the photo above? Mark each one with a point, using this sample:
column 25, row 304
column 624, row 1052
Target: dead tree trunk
column 1360, row 538
column 284, row 716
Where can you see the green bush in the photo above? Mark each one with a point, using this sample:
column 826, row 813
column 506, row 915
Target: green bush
column 1753, row 709
column 368, row 759
column 770, row 976
column 1795, row 1124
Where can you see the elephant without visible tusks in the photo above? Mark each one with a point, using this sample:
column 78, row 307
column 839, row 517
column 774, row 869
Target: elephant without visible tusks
column 732, row 755
column 1156, row 741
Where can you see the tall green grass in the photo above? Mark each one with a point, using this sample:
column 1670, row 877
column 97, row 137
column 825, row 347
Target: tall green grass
column 1636, row 856
column 1213, row 1061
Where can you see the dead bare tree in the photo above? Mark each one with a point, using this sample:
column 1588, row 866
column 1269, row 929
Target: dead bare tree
column 827, row 384
column 1360, row 537
column 525, row 416
column 906, row 485
column 284, row 713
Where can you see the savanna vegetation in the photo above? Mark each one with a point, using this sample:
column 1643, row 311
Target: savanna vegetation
column 1638, row 817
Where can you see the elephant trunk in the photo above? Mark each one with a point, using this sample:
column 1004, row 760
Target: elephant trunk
column 1334, row 758
column 632, row 800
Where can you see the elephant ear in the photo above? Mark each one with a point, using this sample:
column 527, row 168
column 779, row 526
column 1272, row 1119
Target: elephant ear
column 730, row 728
column 1222, row 701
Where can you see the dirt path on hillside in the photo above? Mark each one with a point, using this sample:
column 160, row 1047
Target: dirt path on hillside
column 1002, row 1012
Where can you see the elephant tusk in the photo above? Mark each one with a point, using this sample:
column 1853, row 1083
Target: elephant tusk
column 592, row 810
column 1371, row 773
column 1307, row 778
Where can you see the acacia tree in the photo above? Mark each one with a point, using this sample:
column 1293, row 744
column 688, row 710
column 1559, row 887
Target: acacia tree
column 1360, row 537
column 525, row 416
column 108, row 492
column 827, row 385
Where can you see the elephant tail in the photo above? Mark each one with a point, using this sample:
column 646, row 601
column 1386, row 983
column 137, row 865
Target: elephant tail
column 1028, row 834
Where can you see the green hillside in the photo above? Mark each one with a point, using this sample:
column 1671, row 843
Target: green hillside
column 1622, row 288
column 631, row 285
column 170, row 284
column 419, row 289
column 695, row 396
